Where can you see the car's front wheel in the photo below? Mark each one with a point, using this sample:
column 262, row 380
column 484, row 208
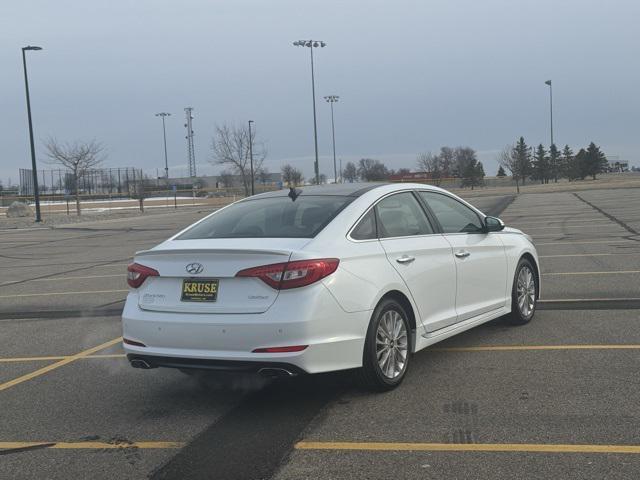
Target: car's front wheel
column 524, row 294
column 387, row 348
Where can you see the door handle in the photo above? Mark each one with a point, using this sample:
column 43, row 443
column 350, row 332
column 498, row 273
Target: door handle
column 405, row 259
column 462, row 254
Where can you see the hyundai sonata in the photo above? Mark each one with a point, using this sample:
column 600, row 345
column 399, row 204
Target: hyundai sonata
column 317, row 279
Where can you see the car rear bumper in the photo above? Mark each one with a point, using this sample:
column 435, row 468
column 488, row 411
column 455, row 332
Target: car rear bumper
column 150, row 361
column 308, row 316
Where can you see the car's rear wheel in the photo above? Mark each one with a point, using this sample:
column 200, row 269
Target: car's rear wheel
column 387, row 348
column 524, row 293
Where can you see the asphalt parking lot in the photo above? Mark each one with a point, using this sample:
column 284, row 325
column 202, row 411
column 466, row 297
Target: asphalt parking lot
column 554, row 399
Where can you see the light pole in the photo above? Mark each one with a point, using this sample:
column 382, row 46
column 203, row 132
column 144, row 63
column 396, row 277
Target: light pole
column 313, row 44
column 34, row 171
column 164, row 135
column 331, row 99
column 251, row 157
column 548, row 82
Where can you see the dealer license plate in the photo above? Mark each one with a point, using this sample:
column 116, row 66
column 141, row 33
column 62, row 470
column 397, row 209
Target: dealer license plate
column 199, row 290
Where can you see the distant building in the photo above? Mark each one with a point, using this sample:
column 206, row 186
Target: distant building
column 411, row 177
column 217, row 181
column 616, row 165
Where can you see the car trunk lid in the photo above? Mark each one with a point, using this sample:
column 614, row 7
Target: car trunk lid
column 214, row 259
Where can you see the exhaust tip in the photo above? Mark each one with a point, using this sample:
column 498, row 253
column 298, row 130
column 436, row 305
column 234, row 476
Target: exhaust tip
column 138, row 363
column 275, row 372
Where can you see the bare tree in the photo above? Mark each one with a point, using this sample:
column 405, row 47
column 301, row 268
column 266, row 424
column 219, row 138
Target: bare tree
column 350, row 172
column 230, row 147
column 371, row 170
column 226, row 178
column 431, row 164
column 322, row 179
column 509, row 160
column 448, row 161
column 291, row 176
column 78, row 157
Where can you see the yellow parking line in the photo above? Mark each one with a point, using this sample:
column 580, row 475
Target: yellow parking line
column 58, row 364
column 105, row 355
column 61, row 293
column 499, row 348
column 618, row 272
column 90, row 445
column 468, row 447
column 59, row 357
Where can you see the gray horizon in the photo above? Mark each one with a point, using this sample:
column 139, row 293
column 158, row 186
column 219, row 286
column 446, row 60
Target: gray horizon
column 412, row 76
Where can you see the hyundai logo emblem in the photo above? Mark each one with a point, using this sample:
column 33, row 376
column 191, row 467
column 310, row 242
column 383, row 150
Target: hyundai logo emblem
column 194, row 268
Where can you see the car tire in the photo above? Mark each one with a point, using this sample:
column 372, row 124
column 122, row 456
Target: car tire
column 387, row 348
column 524, row 293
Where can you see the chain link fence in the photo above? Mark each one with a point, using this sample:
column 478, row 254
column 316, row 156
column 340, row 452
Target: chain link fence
column 99, row 182
column 121, row 188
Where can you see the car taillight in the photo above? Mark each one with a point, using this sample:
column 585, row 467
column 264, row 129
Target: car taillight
column 137, row 274
column 299, row 273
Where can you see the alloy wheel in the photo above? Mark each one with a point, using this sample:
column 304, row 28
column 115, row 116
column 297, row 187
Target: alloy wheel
column 391, row 344
column 526, row 291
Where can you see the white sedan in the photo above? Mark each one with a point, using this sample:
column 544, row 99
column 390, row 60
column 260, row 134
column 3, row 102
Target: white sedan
column 317, row 279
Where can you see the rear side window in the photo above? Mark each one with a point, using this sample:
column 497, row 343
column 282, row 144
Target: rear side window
column 366, row 228
column 401, row 215
column 273, row 217
column 453, row 216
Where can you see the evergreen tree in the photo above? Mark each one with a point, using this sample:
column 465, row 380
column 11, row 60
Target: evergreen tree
column 464, row 160
column 566, row 162
column 522, row 157
column 540, row 167
column 554, row 162
column 501, row 173
column 472, row 173
column 577, row 167
column 479, row 173
column 595, row 161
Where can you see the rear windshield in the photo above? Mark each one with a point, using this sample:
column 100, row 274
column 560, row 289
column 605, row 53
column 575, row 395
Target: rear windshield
column 274, row 217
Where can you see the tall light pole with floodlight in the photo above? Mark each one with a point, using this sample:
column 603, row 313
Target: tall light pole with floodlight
column 164, row 135
column 34, row 171
column 251, row 158
column 548, row 82
column 331, row 99
column 311, row 44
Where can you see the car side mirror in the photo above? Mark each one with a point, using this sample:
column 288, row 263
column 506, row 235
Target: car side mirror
column 493, row 224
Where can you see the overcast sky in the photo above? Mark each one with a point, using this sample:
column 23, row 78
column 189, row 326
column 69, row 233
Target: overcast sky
column 411, row 75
